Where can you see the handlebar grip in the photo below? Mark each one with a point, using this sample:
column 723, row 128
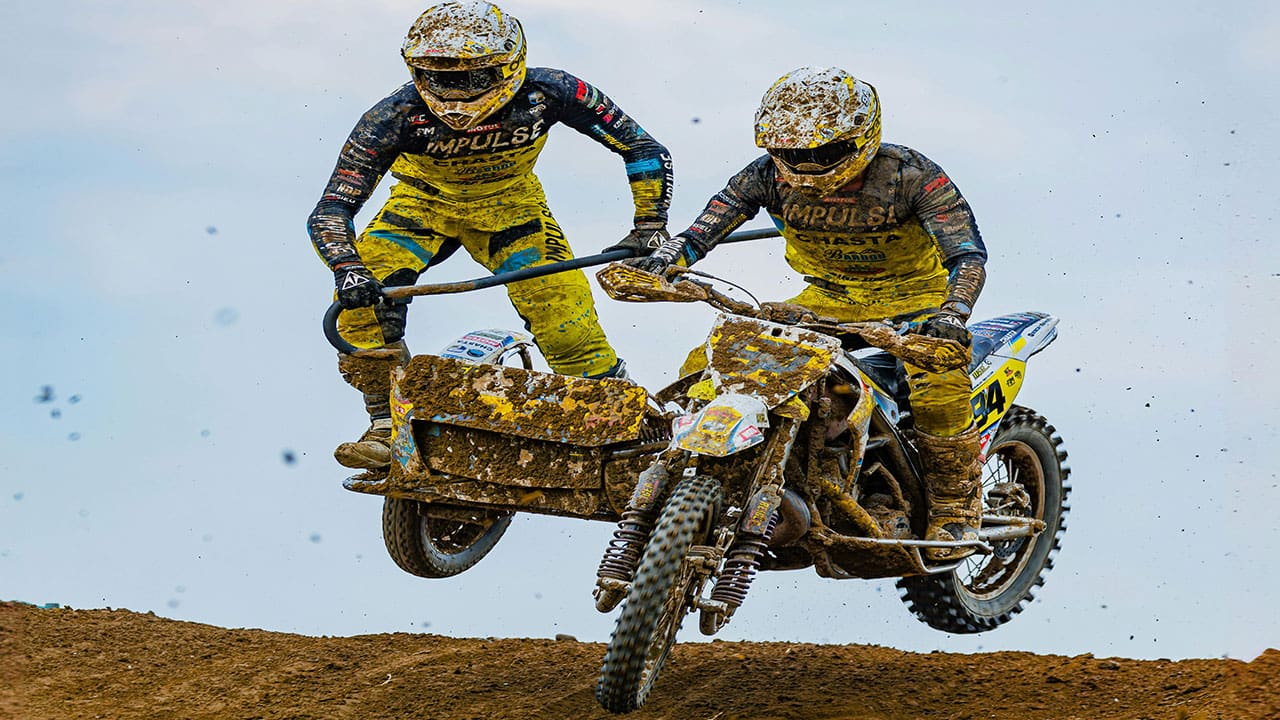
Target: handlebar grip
column 331, row 330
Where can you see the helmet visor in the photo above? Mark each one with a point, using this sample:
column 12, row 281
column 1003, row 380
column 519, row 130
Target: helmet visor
column 459, row 84
column 819, row 159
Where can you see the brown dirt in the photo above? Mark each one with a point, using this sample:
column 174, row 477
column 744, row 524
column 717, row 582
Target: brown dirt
column 66, row 663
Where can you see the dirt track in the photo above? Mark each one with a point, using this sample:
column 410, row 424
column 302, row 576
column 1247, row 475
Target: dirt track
column 119, row 664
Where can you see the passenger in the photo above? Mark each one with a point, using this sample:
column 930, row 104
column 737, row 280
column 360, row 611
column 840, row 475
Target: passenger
column 462, row 139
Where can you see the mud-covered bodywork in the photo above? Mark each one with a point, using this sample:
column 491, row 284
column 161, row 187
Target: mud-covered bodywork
column 509, row 437
column 1001, row 347
column 523, row 403
column 770, row 361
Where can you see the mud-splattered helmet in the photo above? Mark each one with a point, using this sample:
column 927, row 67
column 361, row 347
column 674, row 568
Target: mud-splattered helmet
column 822, row 127
column 467, row 60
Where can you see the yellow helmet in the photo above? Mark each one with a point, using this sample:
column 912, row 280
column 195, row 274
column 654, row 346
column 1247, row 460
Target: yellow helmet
column 822, row 127
column 467, row 60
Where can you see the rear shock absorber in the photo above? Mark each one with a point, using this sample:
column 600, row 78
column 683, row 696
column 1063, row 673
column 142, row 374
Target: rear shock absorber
column 740, row 566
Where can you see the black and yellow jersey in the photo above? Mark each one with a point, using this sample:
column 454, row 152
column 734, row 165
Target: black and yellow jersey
column 894, row 232
column 466, row 170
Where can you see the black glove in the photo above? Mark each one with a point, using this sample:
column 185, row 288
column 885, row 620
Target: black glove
column 946, row 326
column 643, row 239
column 667, row 254
column 357, row 287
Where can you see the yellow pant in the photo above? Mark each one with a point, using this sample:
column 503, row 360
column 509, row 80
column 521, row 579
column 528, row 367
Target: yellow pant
column 414, row 230
column 939, row 401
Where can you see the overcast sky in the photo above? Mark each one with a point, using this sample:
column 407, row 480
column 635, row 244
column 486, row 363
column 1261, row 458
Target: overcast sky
column 160, row 160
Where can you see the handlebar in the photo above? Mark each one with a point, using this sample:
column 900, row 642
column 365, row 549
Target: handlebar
column 626, row 283
column 406, row 293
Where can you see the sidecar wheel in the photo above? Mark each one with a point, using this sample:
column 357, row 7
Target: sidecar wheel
column 433, row 546
column 986, row 591
column 656, row 604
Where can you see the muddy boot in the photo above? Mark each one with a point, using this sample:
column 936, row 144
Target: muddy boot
column 372, row 377
column 953, row 483
column 371, row 452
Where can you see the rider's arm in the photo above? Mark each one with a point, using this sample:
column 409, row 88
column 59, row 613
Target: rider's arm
column 373, row 145
column 590, row 112
column 965, row 279
column 739, row 201
column 946, row 216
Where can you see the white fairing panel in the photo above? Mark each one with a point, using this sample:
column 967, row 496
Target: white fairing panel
column 486, row 346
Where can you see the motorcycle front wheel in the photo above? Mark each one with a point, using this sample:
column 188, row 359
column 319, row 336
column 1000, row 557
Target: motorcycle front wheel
column 438, row 545
column 659, row 596
column 986, row 591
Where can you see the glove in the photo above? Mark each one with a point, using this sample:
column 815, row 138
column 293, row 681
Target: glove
column 787, row 313
column 946, row 326
column 667, row 254
column 643, row 239
column 357, row 287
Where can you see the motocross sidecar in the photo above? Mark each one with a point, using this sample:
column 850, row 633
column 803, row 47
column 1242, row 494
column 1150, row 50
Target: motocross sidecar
column 474, row 441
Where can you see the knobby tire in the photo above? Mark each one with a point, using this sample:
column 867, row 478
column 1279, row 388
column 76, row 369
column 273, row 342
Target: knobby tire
column 987, row 591
column 656, row 605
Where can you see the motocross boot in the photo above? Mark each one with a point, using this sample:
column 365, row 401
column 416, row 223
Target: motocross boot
column 618, row 371
column 953, row 484
column 372, row 377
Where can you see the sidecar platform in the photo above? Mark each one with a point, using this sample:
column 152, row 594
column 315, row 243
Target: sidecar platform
column 506, row 437
column 524, row 403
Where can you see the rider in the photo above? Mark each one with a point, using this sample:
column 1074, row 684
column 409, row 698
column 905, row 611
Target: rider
column 878, row 231
column 462, row 139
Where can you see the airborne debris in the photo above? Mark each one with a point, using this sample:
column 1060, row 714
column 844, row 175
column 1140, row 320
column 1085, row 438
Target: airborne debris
column 226, row 316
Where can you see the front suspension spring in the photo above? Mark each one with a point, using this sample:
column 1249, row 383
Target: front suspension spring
column 740, row 566
column 622, row 557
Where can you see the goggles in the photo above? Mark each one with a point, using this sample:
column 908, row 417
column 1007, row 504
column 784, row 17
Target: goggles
column 459, row 84
column 819, row 159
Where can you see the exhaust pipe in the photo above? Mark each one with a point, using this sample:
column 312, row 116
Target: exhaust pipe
column 794, row 520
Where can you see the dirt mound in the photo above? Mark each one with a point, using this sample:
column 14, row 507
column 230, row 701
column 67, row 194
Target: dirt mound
column 66, row 663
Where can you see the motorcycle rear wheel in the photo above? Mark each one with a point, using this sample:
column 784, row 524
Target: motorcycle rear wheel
column 433, row 546
column 659, row 596
column 986, row 591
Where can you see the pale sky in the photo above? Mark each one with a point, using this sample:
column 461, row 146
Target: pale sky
column 161, row 159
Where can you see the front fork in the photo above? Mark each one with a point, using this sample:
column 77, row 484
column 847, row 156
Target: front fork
column 622, row 556
column 741, row 549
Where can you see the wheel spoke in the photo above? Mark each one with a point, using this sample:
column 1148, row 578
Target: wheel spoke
column 434, row 546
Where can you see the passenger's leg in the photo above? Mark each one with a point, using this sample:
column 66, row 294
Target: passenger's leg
column 396, row 247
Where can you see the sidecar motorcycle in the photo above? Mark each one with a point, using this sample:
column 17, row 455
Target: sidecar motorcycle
column 793, row 448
